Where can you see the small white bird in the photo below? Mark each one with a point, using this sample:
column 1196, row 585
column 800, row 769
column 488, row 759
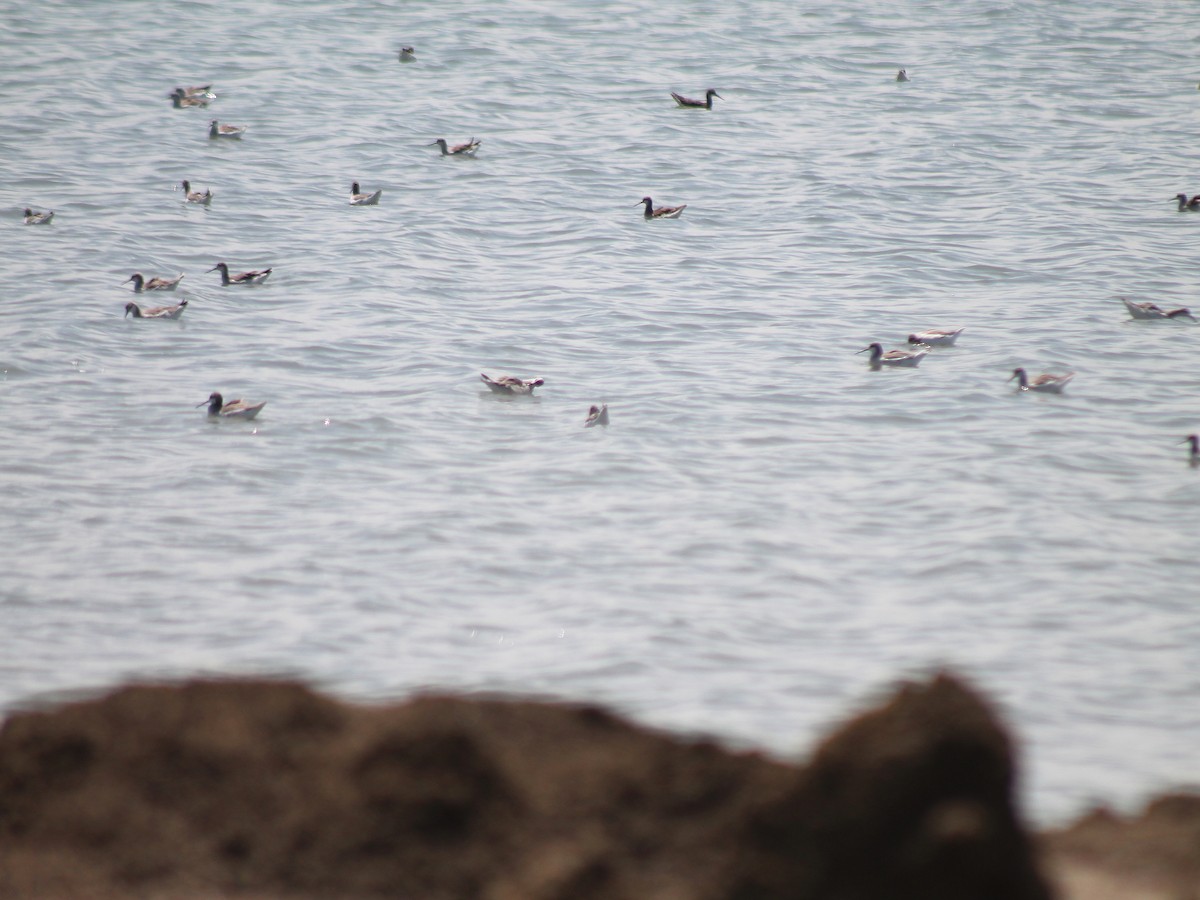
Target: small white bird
column 879, row 358
column 190, row 196
column 255, row 276
column 359, row 199
column 407, row 54
column 1046, row 384
column 1152, row 311
column 660, row 212
column 154, row 312
column 936, row 337
column 466, row 150
column 234, row 409
column 217, row 130
column 154, row 284
column 597, row 415
column 509, row 384
column 38, row 218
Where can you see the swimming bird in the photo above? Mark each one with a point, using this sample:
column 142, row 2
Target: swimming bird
column 203, row 91
column 154, row 284
column 661, row 212
column 1046, row 384
column 180, row 100
column 936, row 337
column 1194, row 450
column 154, row 312
column 407, row 54
column 509, row 384
column 234, row 409
column 38, row 218
column 217, row 130
column 191, row 196
column 597, row 415
column 1186, row 204
column 879, row 358
column 357, row 199
column 1156, row 312
column 255, row 276
column 689, row 103
column 902, row 75
column 467, row 149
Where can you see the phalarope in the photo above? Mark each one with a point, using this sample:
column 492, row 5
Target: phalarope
column 902, row 75
column 1156, row 312
column 203, row 92
column 255, row 276
column 407, row 54
column 1046, row 384
column 467, row 149
column 154, row 284
column 154, row 312
column 936, row 337
column 357, row 199
column 1193, row 450
column 234, row 409
column 217, row 130
column 879, row 358
column 180, row 100
column 690, row 103
column 509, row 384
column 191, row 196
column 38, row 218
column 661, row 212
column 1186, row 204
column 597, row 415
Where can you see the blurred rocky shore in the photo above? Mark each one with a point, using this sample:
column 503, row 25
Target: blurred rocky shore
column 265, row 789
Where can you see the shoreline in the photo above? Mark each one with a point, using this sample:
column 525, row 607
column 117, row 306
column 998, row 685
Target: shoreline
column 268, row 789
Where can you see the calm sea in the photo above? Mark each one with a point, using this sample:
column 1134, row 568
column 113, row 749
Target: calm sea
column 769, row 533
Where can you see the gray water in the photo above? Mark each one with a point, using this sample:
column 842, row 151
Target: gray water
column 769, row 533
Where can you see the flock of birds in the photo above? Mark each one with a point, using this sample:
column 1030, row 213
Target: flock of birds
column 919, row 343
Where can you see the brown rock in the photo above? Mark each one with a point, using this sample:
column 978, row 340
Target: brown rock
column 267, row 790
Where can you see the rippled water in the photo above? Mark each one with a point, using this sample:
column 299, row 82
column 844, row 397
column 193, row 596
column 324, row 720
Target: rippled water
column 769, row 532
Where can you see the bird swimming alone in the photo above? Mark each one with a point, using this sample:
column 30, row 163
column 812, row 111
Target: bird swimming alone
column 38, row 218
column 234, row 409
column 468, row 149
column 190, row 196
column 180, row 100
column 690, row 103
column 661, row 212
column 597, row 415
column 879, row 358
column 509, row 384
column 936, row 337
column 155, row 312
column 1193, row 450
column 1154, row 312
column 1186, row 204
column 201, row 92
column 407, row 54
column 1046, row 384
column 358, row 199
column 217, row 130
column 255, row 276
column 902, row 75
column 154, row 284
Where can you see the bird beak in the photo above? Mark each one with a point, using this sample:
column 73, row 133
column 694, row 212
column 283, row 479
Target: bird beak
column 213, row 269
column 200, row 404
column 863, row 350
column 715, row 94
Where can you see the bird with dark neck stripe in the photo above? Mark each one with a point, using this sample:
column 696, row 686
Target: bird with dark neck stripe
column 660, row 212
